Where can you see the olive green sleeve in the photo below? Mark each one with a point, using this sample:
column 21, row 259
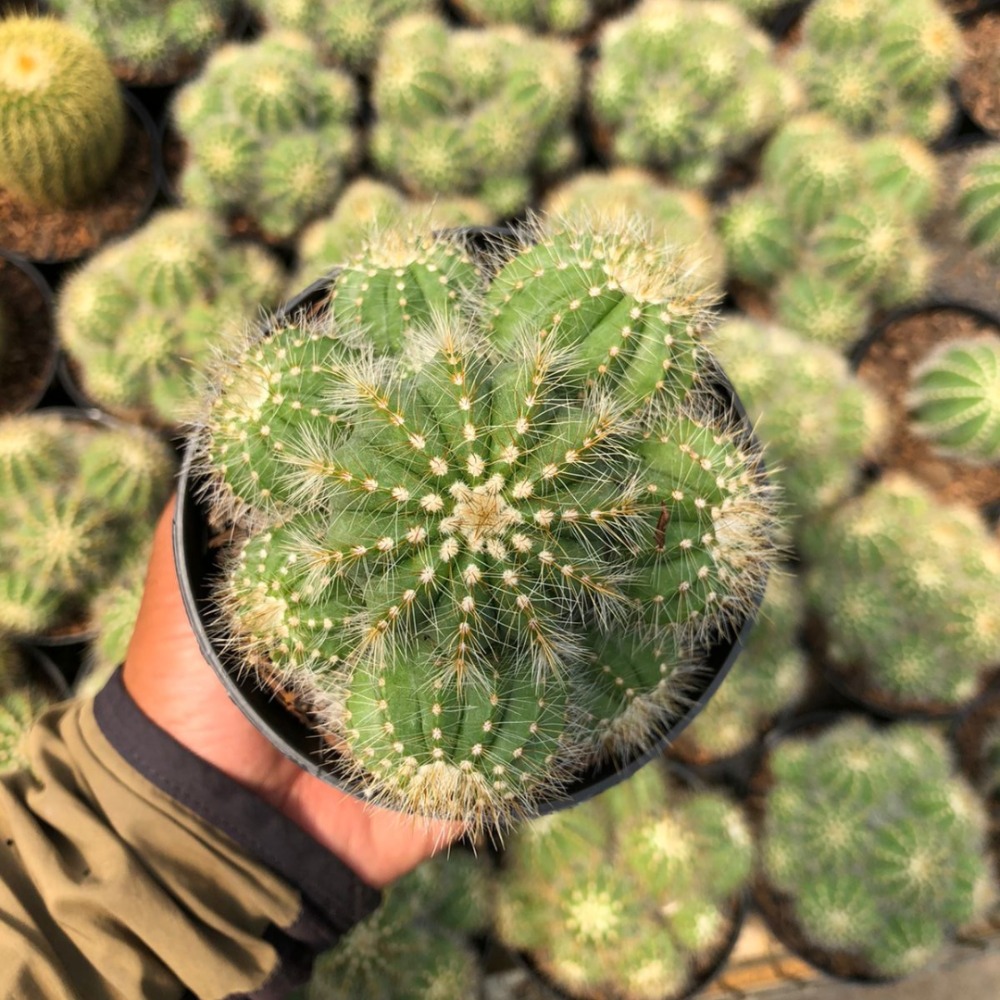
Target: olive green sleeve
column 130, row 868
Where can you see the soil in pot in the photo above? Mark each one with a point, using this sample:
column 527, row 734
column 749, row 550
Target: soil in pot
column 979, row 78
column 28, row 343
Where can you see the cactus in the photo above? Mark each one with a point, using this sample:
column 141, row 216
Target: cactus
column 627, row 894
column 62, row 119
column 978, row 203
column 270, row 133
column 907, row 588
column 877, row 843
column 954, row 399
column 20, row 706
column 476, row 112
column 140, row 319
column 879, row 66
column 682, row 87
column 446, row 485
column 561, row 17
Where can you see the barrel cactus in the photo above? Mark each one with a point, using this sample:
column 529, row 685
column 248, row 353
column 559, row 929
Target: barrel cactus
column 628, row 894
column 978, row 202
column 954, row 399
column 488, row 522
column 876, row 846
column 62, row 119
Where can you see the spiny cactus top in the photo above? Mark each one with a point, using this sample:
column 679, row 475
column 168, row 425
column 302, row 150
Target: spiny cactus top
column 878, row 843
column 22, row 701
column 141, row 317
column 979, row 202
column 682, row 86
column 62, row 120
column 149, row 39
column 907, row 588
column 561, row 17
column 269, row 133
column 487, row 521
column 480, row 112
column 627, row 894
column 954, row 399
column 880, row 65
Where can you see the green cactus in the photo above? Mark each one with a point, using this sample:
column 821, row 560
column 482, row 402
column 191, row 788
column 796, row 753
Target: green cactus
column 825, row 311
column 906, row 588
column 682, row 87
column 269, row 131
column 978, row 203
column 19, row 708
column 477, row 112
column 445, row 481
column 62, row 119
column 879, row 66
column 878, row 844
column 561, row 17
column 954, row 399
column 140, row 319
column 627, row 894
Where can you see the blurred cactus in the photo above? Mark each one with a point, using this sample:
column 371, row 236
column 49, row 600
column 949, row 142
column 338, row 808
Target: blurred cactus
column 682, row 87
column 879, row 845
column 62, row 119
column 560, row 17
column 627, row 894
column 141, row 318
column 476, row 112
column 954, row 399
column 22, row 701
column 269, row 132
column 979, row 203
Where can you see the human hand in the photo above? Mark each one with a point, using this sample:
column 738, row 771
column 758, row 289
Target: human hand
column 174, row 685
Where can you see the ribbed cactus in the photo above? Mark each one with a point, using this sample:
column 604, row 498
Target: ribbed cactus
column 978, row 202
column 682, row 86
column 270, row 133
column 880, row 65
column 906, row 588
column 877, row 843
column 954, row 399
column 478, row 112
column 627, row 894
column 561, row 17
column 62, row 119
column 475, row 510
column 141, row 318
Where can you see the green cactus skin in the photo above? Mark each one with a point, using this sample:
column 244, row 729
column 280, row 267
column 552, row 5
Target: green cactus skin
column 682, row 87
column 472, row 112
column 978, row 203
column 954, row 399
column 902, row 171
column 19, row 708
column 270, row 133
column 627, row 893
column 141, row 318
column 906, row 588
column 877, row 841
column 824, row 310
column 758, row 237
column 62, row 119
column 560, row 17
column 446, row 485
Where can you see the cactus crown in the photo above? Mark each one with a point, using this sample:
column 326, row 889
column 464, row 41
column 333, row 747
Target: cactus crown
column 877, row 842
column 476, row 509
column 62, row 120
column 979, row 203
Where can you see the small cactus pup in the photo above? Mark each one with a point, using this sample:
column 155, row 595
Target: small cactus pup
column 978, row 202
column 479, row 112
column 954, row 399
column 270, row 133
column 140, row 319
column 491, row 515
column 871, row 847
column 906, row 590
column 630, row 895
column 558, row 17
column 22, row 701
column 683, row 87
column 62, row 119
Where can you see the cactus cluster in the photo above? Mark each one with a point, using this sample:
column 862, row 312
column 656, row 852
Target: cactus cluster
column 978, row 202
column 149, row 39
column 483, row 112
column 489, row 521
column 880, row 65
column 22, row 700
column 140, row 319
column 831, row 230
column 76, row 499
column 906, row 588
column 876, row 842
column 62, row 119
column 269, row 132
column 560, row 17
column 954, row 399
column 627, row 894
column 683, row 86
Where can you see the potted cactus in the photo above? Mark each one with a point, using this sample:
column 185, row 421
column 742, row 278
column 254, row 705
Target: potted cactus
column 24, row 694
column 488, row 514
column 558, row 17
column 978, row 201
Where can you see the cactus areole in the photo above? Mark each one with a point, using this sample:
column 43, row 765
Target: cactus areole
column 493, row 519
